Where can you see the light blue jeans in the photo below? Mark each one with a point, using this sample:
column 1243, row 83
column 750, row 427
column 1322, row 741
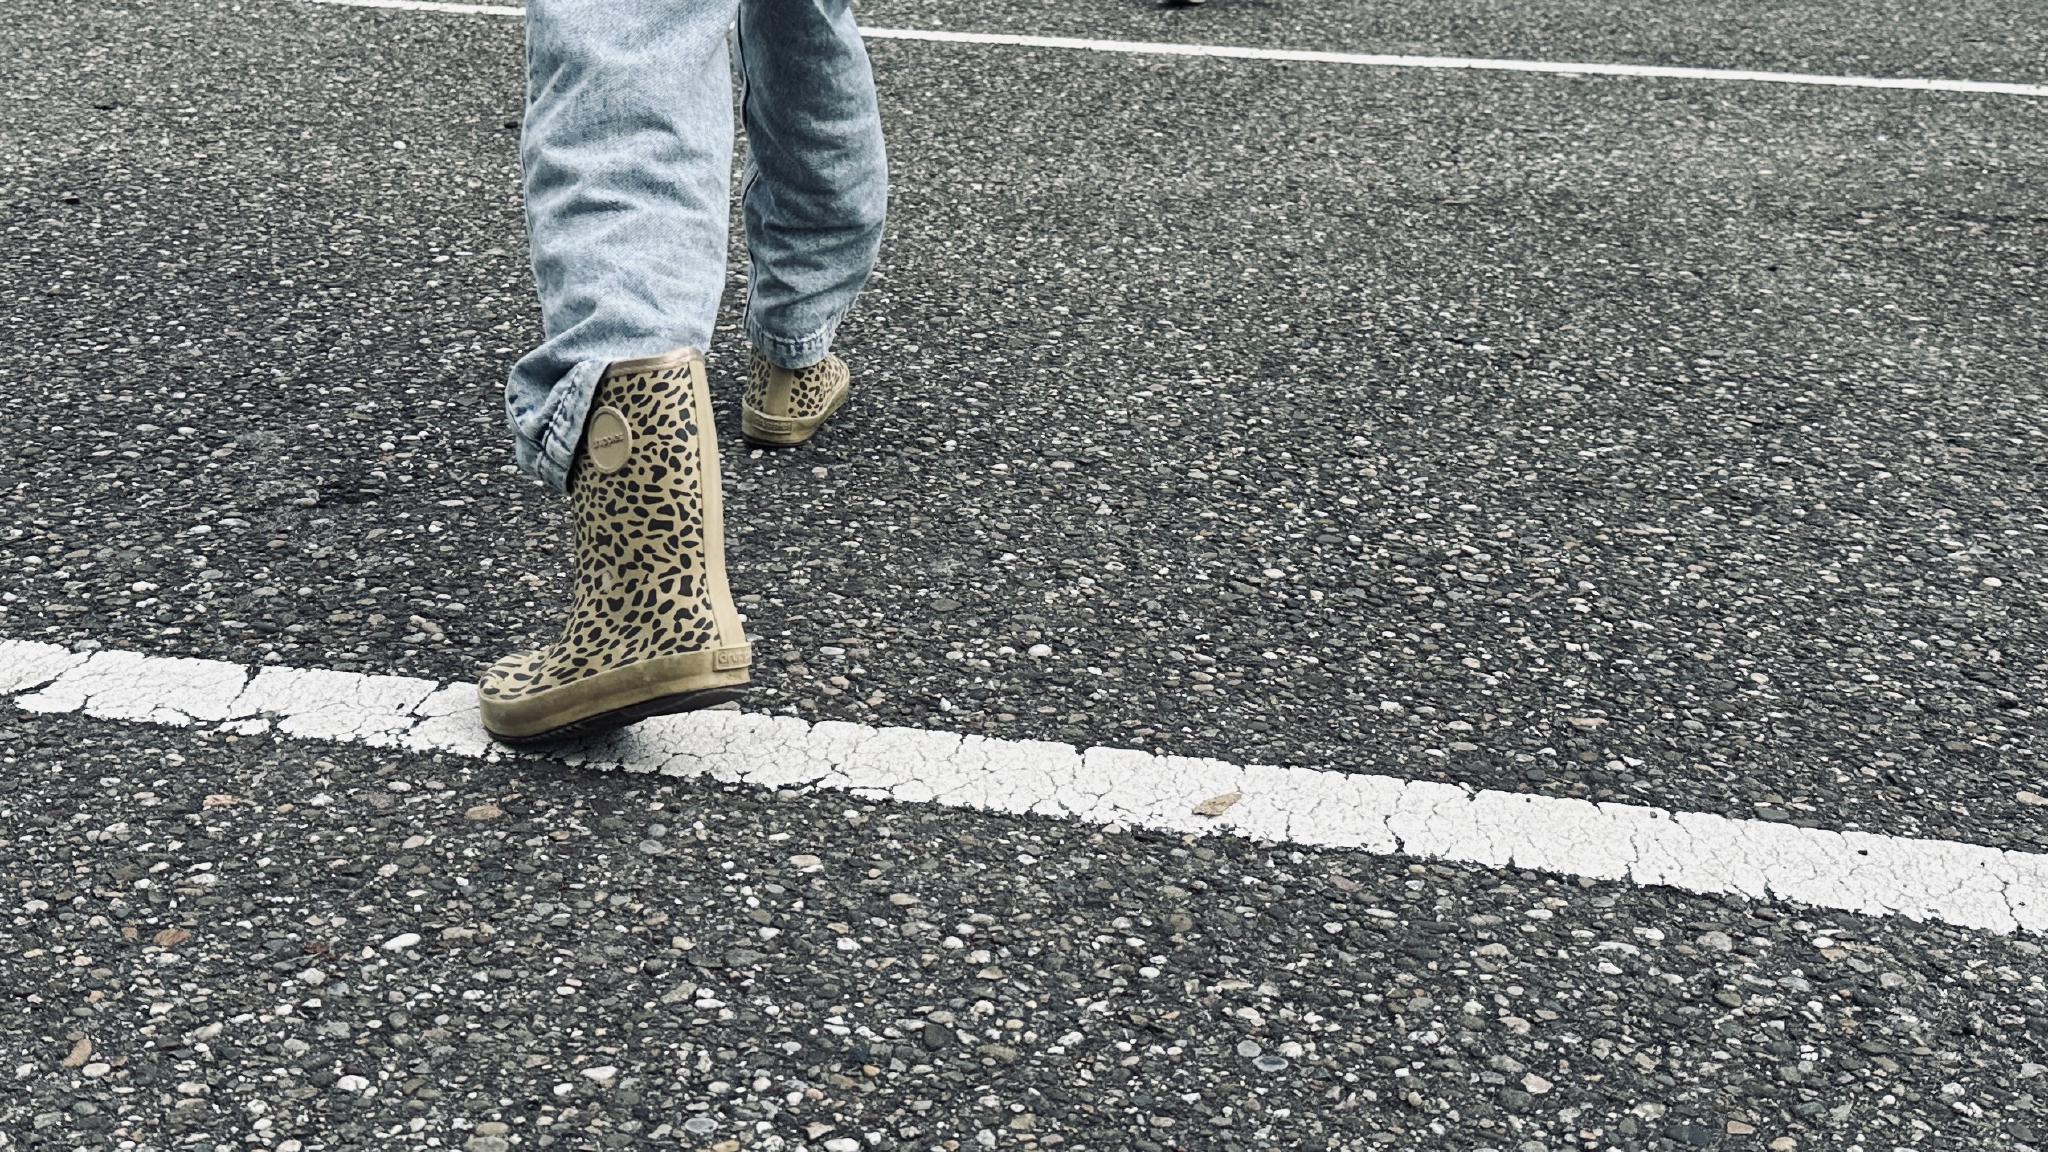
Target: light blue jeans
column 627, row 155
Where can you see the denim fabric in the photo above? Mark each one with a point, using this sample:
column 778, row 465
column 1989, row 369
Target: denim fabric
column 627, row 156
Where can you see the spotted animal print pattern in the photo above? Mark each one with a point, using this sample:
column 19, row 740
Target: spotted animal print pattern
column 810, row 394
column 640, row 559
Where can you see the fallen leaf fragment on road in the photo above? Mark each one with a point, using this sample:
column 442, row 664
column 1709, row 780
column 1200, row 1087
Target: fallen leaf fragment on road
column 1218, row 805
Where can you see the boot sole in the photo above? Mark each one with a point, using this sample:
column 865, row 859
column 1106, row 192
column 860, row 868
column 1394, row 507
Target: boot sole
column 786, row 431
column 614, row 698
column 617, row 718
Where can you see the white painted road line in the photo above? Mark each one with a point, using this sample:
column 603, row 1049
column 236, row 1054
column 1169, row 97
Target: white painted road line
column 1356, row 59
column 1963, row 884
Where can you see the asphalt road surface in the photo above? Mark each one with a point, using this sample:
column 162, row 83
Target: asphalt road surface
column 1648, row 442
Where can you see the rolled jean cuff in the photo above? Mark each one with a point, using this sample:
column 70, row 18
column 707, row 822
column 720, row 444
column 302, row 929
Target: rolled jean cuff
column 788, row 352
column 545, row 444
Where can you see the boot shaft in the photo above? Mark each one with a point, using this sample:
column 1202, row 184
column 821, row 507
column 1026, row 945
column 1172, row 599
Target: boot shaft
column 649, row 513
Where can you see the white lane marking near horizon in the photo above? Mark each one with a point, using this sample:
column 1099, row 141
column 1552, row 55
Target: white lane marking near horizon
column 1968, row 885
column 1355, row 59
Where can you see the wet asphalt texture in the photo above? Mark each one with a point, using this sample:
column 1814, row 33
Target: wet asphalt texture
column 1378, row 420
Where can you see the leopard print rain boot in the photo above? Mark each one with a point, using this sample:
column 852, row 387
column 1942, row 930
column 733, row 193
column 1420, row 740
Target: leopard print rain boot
column 652, row 628
column 783, row 407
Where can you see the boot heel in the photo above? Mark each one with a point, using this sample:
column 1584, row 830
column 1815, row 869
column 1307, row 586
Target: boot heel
column 784, row 407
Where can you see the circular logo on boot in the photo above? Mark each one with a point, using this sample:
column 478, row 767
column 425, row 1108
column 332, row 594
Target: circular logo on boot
column 608, row 439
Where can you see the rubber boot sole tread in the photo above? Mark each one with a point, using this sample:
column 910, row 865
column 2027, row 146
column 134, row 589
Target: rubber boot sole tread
column 805, row 429
column 606, row 722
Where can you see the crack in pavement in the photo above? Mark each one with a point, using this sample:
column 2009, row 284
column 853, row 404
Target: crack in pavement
column 1119, row 788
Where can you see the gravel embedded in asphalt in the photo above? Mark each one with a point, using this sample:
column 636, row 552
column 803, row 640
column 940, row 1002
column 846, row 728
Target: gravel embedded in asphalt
column 1667, row 443
column 1647, row 442
column 1977, row 40
column 212, row 916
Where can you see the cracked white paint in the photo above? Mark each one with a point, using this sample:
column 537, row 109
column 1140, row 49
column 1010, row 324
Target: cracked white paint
column 320, row 704
column 131, row 686
column 25, row 664
column 1937, row 880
